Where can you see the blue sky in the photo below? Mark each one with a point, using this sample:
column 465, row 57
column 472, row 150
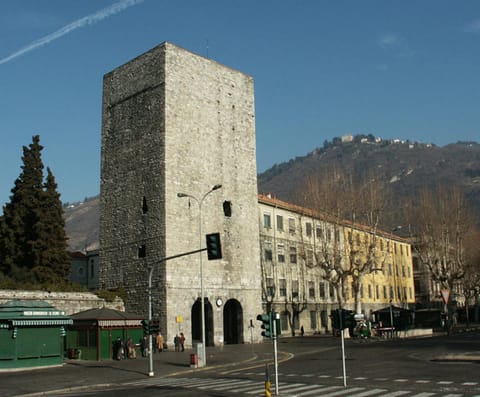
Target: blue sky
column 394, row 69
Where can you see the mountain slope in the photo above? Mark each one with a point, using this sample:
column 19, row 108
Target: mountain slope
column 407, row 166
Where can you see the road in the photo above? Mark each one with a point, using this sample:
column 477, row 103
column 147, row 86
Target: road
column 312, row 366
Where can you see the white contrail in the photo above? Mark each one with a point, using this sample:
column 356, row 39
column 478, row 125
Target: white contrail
column 88, row 20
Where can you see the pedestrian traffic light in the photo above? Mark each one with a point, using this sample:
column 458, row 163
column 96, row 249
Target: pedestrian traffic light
column 214, row 247
column 267, row 324
column 146, row 327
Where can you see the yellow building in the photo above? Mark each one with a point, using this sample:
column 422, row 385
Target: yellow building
column 311, row 265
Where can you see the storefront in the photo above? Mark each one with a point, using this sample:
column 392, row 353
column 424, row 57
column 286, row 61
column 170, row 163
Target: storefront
column 31, row 334
column 94, row 332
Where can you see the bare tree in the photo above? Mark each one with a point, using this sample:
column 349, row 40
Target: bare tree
column 442, row 223
column 350, row 210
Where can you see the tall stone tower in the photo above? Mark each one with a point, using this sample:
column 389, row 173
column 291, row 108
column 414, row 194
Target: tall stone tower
column 175, row 122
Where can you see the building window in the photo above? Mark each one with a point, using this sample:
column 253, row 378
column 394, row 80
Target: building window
column 267, row 221
column 309, row 258
column 282, row 283
column 280, row 223
column 311, row 289
column 281, row 253
column 408, row 271
column 389, row 269
column 227, row 208
column 337, row 235
column 369, row 291
column 329, row 235
column 291, row 225
column 268, row 250
column 313, row 319
column 403, row 271
column 270, row 287
column 399, row 293
column 332, row 291
column 319, row 232
column 294, row 288
column 391, row 293
column 381, row 245
column 322, row 290
column 142, row 251
column 377, row 292
column 293, row 254
column 410, row 291
column 308, row 229
column 384, row 292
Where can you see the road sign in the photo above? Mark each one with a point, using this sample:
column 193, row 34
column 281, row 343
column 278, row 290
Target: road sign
column 445, row 295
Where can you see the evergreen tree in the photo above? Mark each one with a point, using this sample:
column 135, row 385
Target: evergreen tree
column 32, row 235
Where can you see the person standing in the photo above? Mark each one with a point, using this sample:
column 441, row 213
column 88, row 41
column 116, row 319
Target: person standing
column 182, row 342
column 159, row 342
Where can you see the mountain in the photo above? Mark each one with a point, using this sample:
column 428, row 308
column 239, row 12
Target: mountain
column 407, row 166
column 82, row 224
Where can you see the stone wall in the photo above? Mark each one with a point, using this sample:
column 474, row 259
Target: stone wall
column 69, row 302
column 175, row 122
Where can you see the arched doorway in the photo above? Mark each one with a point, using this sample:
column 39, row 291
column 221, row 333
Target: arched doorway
column 232, row 322
column 197, row 322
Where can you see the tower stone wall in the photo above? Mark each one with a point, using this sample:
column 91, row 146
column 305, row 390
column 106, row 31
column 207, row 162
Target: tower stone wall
column 175, row 122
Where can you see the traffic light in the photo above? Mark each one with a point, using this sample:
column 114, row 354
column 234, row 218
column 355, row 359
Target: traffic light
column 348, row 319
column 214, row 247
column 267, row 325
column 146, row 327
column 155, row 326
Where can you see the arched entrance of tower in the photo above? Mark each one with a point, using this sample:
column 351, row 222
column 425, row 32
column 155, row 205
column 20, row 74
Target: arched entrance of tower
column 232, row 322
column 197, row 322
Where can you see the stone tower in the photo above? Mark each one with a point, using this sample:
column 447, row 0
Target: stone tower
column 175, row 122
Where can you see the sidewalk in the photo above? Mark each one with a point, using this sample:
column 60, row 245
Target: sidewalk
column 78, row 374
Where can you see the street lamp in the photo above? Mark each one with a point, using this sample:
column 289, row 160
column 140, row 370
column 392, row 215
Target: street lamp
column 200, row 202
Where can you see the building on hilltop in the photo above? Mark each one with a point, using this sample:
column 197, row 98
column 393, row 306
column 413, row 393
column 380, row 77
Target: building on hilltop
column 178, row 123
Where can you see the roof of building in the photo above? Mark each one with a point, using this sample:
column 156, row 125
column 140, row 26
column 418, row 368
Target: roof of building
column 275, row 202
column 105, row 314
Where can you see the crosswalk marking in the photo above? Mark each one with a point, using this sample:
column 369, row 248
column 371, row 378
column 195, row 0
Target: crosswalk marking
column 256, row 388
column 445, row 382
column 395, row 393
column 316, row 391
column 422, row 381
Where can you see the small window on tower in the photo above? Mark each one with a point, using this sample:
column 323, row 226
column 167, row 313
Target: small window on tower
column 144, row 205
column 142, row 251
column 227, row 208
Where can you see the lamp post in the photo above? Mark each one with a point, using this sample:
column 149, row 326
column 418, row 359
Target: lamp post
column 200, row 202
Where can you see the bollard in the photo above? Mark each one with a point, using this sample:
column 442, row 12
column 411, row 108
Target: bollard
column 193, row 360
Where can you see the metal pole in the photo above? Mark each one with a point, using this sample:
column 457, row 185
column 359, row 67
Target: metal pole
column 202, row 300
column 343, row 348
column 150, row 355
column 275, row 354
column 391, row 319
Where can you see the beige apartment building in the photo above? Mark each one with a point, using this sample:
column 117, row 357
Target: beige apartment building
column 295, row 282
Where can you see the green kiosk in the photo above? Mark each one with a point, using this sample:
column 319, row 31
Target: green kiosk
column 32, row 334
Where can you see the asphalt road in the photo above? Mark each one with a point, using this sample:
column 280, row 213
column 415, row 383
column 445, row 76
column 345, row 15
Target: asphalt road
column 312, row 366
